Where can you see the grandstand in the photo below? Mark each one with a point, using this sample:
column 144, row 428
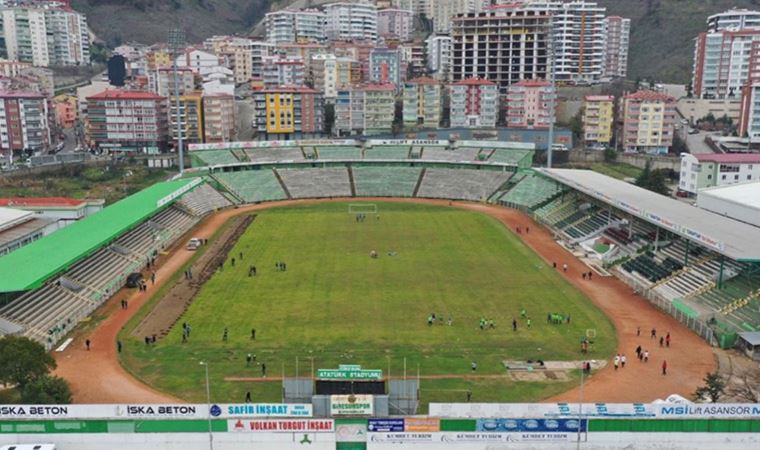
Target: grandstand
column 389, row 152
column 531, row 192
column 381, row 181
column 252, row 186
column 462, row 184
column 70, row 273
column 316, row 183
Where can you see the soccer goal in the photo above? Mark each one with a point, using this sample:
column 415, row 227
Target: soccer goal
column 362, row 208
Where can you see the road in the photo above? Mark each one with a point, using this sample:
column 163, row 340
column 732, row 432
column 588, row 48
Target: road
column 696, row 142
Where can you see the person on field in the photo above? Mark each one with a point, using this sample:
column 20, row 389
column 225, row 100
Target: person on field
column 253, row 334
column 514, row 324
column 667, row 340
column 664, row 367
column 118, row 346
column 622, row 361
column 662, row 341
column 638, row 350
column 528, row 322
column 564, row 267
column 616, row 361
column 248, row 359
column 225, row 335
column 87, row 344
column 653, row 334
column 638, row 331
column 263, row 370
column 248, row 397
column 646, row 355
column 474, row 366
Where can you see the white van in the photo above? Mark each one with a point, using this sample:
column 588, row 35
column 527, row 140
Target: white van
column 194, row 243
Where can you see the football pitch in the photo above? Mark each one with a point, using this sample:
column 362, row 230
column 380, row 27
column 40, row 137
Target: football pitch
column 335, row 304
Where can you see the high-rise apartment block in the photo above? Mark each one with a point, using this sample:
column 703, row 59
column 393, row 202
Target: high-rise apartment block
column 295, row 26
column 44, row 35
column 347, row 21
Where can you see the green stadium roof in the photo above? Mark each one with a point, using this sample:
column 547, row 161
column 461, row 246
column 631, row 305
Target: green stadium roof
column 30, row 266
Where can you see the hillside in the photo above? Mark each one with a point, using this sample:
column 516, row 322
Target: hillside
column 148, row 21
column 661, row 37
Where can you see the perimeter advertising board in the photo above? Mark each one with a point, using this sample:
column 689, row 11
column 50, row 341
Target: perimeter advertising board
column 596, row 410
column 352, row 405
column 155, row 411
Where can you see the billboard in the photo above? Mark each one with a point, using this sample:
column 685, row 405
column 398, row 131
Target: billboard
column 155, row 411
column 352, row 405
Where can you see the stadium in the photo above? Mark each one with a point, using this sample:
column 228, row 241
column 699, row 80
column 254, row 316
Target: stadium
column 440, row 278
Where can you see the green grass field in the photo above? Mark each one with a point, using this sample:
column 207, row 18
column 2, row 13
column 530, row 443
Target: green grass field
column 336, row 305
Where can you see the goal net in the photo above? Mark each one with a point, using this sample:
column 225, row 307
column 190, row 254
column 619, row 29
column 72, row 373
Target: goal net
column 362, row 208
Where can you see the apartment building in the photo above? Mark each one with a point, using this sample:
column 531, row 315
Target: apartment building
column 219, row 118
column 733, row 19
column 349, row 21
column 301, row 26
column 529, row 104
column 438, row 56
column 699, row 171
column 236, row 53
column 423, row 103
column 365, row 110
column 135, row 121
column 65, row 106
column 386, row 66
column 504, row 44
column 44, row 36
column 289, row 112
column 283, row 71
column 328, row 73
column 190, row 117
column 442, row 11
column 598, row 119
column 617, row 31
column 161, row 81
column 396, row 24
column 198, row 60
column 24, row 124
column 648, row 122
column 474, row 103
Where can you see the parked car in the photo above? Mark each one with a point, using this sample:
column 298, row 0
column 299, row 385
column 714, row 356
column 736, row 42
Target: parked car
column 134, row 280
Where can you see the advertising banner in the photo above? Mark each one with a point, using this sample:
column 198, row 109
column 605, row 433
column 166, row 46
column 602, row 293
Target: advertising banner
column 352, row 405
column 531, row 425
column 155, row 411
column 595, row 410
column 282, row 425
column 458, row 438
column 422, row 424
column 385, row 425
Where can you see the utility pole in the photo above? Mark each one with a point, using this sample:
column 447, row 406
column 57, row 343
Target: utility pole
column 176, row 44
column 553, row 86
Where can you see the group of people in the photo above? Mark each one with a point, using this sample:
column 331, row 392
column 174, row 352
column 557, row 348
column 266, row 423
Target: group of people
column 557, row 319
column 643, row 354
column 185, row 331
column 280, row 266
column 519, row 229
column 485, row 324
column 432, row 318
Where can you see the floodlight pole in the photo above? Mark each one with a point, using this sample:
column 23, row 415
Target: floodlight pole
column 552, row 85
column 176, row 41
column 580, row 410
column 208, row 401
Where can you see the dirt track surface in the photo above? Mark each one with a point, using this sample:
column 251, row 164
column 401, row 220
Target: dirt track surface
column 98, row 377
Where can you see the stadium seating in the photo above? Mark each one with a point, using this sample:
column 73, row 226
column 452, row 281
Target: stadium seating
column 203, row 200
column 215, row 157
column 507, row 156
column 339, row 153
column 387, row 152
column 386, row 181
column 461, row 184
column 595, row 222
column 532, row 191
column 737, row 302
column 49, row 312
column 316, row 183
column 275, row 154
column 252, row 186
column 454, row 155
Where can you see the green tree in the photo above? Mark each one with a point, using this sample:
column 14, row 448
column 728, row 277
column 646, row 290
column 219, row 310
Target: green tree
column 713, row 389
column 23, row 361
column 653, row 180
column 46, row 390
column 610, row 154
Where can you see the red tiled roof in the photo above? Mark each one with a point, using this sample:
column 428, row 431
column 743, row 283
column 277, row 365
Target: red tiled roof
column 423, row 80
column 650, row 96
column 118, row 94
column 474, row 82
column 290, row 89
column 20, row 94
column 729, row 158
column 599, row 98
column 379, row 87
column 532, row 83
column 40, row 201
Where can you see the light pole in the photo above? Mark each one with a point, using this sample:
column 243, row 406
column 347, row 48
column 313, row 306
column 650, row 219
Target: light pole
column 208, row 402
column 580, row 409
column 553, row 87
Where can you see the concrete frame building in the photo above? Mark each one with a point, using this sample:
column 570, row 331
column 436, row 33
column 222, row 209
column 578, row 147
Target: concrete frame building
column 528, row 104
column 617, row 41
column 219, row 118
column 648, row 122
column 438, row 56
column 700, row 171
column 504, row 44
column 474, row 103
column 328, row 73
column 283, row 71
column 386, row 66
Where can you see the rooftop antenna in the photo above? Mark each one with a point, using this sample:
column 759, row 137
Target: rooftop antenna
column 176, row 46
